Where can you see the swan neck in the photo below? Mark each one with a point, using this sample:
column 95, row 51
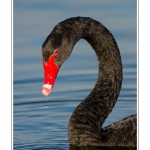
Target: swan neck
column 107, row 88
column 91, row 113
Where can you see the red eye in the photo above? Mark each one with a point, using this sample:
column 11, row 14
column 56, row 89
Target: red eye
column 56, row 51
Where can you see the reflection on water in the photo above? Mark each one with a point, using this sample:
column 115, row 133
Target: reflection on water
column 39, row 122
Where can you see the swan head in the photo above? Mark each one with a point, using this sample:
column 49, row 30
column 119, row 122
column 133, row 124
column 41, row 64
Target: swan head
column 55, row 50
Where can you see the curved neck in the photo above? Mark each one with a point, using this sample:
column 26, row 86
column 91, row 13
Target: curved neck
column 109, row 81
column 94, row 109
column 90, row 114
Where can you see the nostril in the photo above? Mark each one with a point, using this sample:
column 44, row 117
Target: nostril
column 56, row 51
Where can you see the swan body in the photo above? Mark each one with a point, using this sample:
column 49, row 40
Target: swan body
column 85, row 124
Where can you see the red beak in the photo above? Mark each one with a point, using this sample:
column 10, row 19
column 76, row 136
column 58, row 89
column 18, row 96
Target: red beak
column 50, row 73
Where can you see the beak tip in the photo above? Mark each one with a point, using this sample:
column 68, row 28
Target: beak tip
column 46, row 91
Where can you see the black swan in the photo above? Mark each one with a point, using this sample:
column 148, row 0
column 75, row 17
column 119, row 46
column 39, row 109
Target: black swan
column 85, row 125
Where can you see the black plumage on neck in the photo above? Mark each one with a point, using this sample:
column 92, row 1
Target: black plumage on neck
column 85, row 124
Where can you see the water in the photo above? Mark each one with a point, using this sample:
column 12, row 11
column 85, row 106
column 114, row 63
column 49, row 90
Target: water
column 39, row 122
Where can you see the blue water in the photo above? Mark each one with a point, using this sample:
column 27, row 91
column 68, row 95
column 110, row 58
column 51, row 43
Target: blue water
column 39, row 122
